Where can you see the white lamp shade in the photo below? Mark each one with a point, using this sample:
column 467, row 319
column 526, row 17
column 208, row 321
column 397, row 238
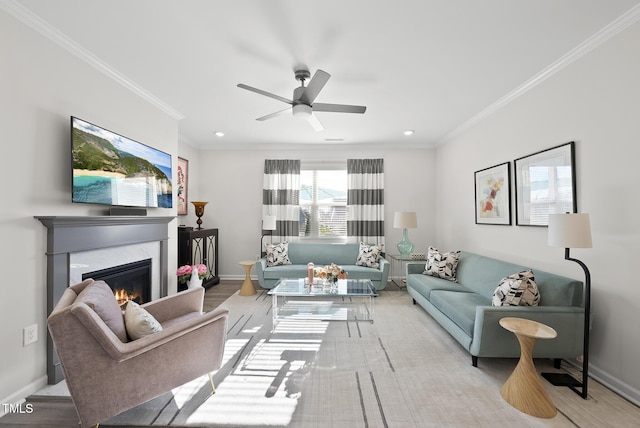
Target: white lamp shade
column 268, row 222
column 405, row 220
column 569, row 230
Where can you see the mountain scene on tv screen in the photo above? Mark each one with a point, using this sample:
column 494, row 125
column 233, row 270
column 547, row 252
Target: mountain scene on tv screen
column 105, row 174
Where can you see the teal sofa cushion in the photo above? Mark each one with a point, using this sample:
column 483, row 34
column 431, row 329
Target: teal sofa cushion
column 459, row 307
column 322, row 254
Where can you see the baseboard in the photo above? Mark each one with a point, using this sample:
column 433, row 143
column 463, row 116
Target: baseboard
column 21, row 395
column 619, row 387
column 237, row 277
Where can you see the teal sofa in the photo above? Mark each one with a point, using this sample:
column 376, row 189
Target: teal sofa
column 321, row 254
column 464, row 308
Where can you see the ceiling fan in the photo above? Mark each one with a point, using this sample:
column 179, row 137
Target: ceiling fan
column 303, row 104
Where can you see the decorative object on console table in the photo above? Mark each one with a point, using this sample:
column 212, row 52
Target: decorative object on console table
column 199, row 206
column 191, row 276
column 573, row 231
column 405, row 220
column 183, row 188
column 268, row 224
column 199, row 246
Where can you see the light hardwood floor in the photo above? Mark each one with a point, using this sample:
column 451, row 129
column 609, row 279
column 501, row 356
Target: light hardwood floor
column 56, row 412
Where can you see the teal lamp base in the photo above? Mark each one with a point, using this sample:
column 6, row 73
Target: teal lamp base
column 405, row 247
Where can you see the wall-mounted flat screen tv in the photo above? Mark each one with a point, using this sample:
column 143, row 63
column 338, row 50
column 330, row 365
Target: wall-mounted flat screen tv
column 114, row 170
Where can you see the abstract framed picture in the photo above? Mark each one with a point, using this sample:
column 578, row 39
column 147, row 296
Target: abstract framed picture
column 493, row 195
column 545, row 184
column 183, row 178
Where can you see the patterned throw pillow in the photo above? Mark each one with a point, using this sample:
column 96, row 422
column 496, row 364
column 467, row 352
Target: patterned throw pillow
column 519, row 289
column 369, row 255
column 278, row 254
column 442, row 265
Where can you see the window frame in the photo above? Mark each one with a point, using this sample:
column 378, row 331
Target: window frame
column 315, row 167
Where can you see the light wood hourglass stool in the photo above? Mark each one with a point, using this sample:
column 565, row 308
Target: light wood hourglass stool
column 247, row 288
column 524, row 389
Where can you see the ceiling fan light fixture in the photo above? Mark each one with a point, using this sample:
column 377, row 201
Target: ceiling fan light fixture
column 302, row 110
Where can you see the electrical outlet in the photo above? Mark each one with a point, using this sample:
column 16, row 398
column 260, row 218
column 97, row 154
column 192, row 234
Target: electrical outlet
column 30, row 335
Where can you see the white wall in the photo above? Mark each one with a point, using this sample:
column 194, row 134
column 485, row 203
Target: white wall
column 231, row 181
column 42, row 85
column 595, row 102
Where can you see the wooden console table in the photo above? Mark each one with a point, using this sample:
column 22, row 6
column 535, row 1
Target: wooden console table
column 199, row 247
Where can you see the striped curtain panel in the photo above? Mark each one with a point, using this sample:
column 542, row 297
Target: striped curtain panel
column 365, row 201
column 281, row 196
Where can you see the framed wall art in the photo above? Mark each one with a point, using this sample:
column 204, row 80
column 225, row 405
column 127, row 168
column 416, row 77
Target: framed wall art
column 493, row 195
column 183, row 178
column 545, row 184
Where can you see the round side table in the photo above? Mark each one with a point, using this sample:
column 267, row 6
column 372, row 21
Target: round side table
column 247, row 288
column 524, row 389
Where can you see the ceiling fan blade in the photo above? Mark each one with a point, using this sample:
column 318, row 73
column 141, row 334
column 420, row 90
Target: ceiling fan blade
column 314, row 87
column 338, row 108
column 265, row 93
column 315, row 123
column 278, row 113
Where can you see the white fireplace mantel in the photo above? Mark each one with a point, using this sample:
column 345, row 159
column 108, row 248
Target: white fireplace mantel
column 66, row 235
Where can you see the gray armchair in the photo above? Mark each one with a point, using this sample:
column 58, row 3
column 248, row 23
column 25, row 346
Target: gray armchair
column 106, row 373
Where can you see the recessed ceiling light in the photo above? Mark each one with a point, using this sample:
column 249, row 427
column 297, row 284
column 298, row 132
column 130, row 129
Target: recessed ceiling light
column 409, row 132
column 219, row 134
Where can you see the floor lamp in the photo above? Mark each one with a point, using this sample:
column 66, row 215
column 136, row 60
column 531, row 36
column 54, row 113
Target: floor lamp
column 573, row 231
column 268, row 223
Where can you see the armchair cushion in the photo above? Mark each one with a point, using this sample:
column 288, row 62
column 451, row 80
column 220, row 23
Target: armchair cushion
column 99, row 297
column 139, row 322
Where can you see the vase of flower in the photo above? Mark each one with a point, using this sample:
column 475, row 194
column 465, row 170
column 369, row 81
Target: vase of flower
column 191, row 276
column 330, row 275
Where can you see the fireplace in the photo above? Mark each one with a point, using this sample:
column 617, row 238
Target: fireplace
column 130, row 281
column 69, row 239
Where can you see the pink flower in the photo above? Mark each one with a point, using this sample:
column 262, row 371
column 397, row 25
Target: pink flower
column 202, row 270
column 184, row 270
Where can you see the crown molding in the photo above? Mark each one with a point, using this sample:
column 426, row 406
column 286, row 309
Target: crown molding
column 35, row 22
column 606, row 33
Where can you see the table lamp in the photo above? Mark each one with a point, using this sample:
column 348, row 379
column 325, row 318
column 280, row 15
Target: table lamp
column 405, row 220
column 573, row 231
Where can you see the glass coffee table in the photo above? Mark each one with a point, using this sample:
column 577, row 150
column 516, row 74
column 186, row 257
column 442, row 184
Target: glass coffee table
column 348, row 300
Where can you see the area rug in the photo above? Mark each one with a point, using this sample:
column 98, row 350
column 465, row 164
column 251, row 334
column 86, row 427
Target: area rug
column 402, row 370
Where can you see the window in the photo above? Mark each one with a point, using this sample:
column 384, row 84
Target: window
column 323, row 203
